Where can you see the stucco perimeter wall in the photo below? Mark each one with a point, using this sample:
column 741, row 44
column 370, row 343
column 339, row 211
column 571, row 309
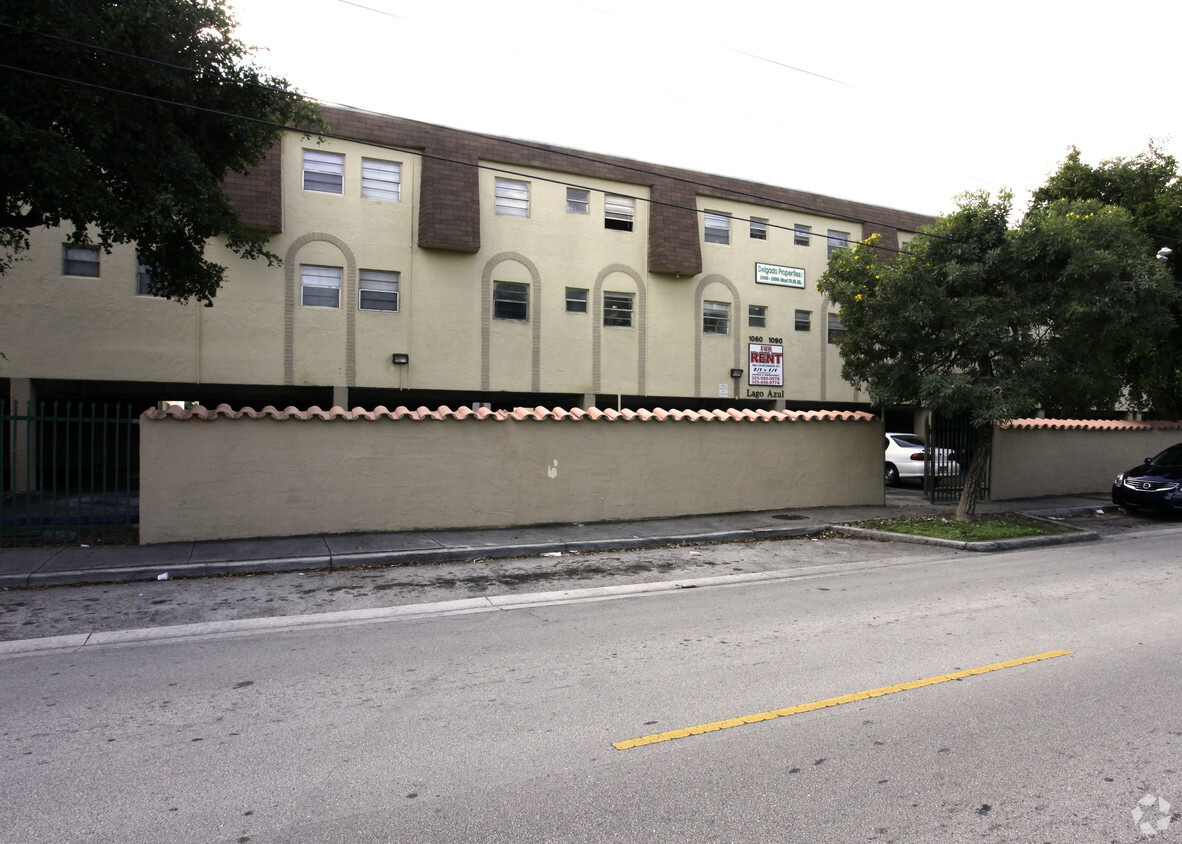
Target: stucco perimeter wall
column 1036, row 457
column 224, row 474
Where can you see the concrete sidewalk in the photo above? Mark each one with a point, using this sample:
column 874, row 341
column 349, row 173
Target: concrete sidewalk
column 26, row 567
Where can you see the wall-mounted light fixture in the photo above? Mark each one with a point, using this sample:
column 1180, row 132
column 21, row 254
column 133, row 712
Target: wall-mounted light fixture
column 736, row 373
column 400, row 359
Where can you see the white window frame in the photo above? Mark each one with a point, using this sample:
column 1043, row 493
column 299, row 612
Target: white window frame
column 383, row 287
column 143, row 280
column 837, row 241
column 619, row 212
column 576, row 300
column 578, row 201
column 802, row 235
column 758, row 228
column 757, row 316
column 512, row 198
column 618, row 309
column 79, row 259
column 718, row 227
column 381, row 180
column 716, row 318
column 803, row 321
column 315, row 279
column 324, row 172
column 504, row 302
column 834, row 329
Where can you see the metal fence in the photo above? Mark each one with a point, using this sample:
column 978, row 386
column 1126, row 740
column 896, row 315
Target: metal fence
column 950, row 445
column 70, row 474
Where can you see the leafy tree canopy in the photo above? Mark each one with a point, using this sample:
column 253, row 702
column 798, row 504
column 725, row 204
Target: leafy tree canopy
column 1148, row 187
column 979, row 319
column 121, row 118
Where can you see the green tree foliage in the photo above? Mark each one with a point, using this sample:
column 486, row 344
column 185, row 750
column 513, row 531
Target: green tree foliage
column 975, row 318
column 120, row 119
column 1148, row 187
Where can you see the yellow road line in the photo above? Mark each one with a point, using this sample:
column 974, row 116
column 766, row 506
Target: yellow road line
column 831, row 701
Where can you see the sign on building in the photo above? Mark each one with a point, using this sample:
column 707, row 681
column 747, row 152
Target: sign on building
column 779, row 276
column 765, row 365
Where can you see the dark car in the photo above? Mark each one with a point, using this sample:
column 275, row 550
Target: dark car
column 1155, row 484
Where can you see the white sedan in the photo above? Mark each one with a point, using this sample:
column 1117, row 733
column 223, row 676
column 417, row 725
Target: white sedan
column 905, row 459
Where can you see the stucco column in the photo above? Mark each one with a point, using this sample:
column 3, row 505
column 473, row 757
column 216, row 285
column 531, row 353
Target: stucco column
column 23, row 400
column 340, row 397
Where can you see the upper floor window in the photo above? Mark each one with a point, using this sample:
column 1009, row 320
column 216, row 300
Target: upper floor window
column 321, row 286
column 80, row 260
column 716, row 318
column 510, row 300
column 381, row 179
column 578, row 201
column 804, row 321
column 512, row 198
column 617, row 309
column 800, row 235
column 324, row 171
column 757, row 316
column 838, row 240
column 618, row 212
column 143, row 280
column 758, row 228
column 718, row 227
column 377, row 290
column 576, row 300
column 836, row 329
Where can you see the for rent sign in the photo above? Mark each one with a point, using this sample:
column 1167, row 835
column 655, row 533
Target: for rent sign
column 765, row 365
column 779, row 276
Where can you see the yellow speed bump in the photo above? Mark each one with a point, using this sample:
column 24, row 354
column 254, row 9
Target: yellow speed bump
column 832, row 701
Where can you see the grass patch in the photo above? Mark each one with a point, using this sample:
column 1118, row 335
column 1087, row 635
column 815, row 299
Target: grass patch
column 981, row 529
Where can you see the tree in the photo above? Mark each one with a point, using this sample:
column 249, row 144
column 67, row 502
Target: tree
column 1148, row 187
column 977, row 319
column 121, row 118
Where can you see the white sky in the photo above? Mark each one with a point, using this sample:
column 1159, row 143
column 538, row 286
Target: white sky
column 904, row 104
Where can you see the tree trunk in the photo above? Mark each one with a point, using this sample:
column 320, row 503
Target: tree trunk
column 966, row 508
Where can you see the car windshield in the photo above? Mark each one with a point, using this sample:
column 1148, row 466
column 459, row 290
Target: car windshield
column 1172, row 456
column 909, row 439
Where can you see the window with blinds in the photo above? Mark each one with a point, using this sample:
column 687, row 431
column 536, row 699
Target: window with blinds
column 618, row 212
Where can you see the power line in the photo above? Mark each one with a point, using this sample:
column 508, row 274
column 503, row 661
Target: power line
column 434, row 156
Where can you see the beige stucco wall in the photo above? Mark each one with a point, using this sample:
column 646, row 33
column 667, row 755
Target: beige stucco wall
column 1029, row 463
column 258, row 332
column 227, row 478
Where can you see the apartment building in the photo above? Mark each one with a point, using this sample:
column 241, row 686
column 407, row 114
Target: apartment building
column 425, row 266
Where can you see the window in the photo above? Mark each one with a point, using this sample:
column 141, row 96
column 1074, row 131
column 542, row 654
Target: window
column 578, row 201
column 80, row 260
column 836, row 329
column 381, row 179
column 800, row 235
column 321, row 286
column 757, row 316
column 512, row 198
column 718, row 227
column 838, row 240
column 510, row 300
column 716, row 318
column 576, row 300
column 617, row 309
column 378, row 290
column 324, row 171
column 618, row 212
column 143, row 281
column 804, row 320
column 758, row 229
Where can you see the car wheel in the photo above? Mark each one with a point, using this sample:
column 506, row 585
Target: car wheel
column 890, row 475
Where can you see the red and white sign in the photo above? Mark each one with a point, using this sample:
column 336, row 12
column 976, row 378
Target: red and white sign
column 765, row 365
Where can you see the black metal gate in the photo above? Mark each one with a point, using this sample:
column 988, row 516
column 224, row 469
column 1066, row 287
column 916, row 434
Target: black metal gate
column 70, row 474
column 950, row 443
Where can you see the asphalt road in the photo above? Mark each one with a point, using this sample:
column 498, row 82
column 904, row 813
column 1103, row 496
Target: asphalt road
column 502, row 725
